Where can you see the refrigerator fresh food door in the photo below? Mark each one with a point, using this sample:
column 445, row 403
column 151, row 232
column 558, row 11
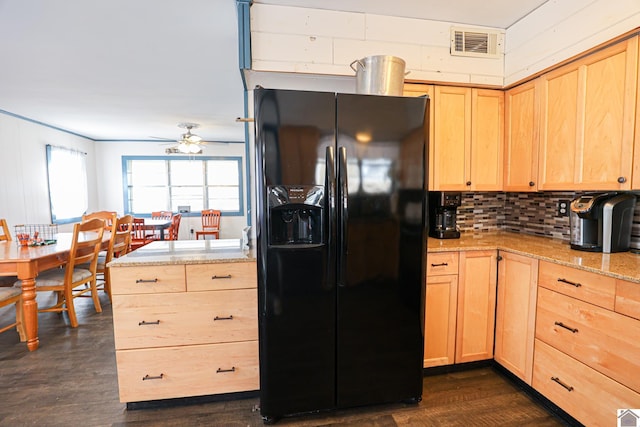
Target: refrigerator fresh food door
column 381, row 248
column 295, row 134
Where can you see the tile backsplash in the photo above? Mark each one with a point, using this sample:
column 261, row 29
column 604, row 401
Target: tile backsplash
column 528, row 213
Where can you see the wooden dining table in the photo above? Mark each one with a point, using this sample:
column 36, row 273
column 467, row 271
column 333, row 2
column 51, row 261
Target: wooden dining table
column 157, row 224
column 27, row 262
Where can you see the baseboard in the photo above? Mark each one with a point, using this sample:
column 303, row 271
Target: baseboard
column 195, row 400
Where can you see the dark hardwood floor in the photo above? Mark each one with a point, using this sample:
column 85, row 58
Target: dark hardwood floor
column 71, row 381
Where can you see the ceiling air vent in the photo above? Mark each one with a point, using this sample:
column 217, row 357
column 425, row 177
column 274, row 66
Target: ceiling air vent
column 476, row 42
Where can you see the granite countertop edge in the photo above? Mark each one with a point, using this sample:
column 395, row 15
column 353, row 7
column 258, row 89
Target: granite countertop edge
column 621, row 265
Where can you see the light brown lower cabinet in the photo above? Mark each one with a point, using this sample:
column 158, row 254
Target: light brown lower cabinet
column 460, row 307
column 476, row 305
column 185, row 330
column 516, row 313
column 587, row 350
column 584, row 393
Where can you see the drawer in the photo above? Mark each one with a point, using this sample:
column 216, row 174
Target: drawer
column 227, row 275
column 602, row 339
column 162, row 320
column 584, row 285
column 628, row 298
column 440, row 263
column 147, row 279
column 163, row 373
column 585, row 394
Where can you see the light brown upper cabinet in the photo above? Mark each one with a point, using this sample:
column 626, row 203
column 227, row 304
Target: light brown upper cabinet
column 522, row 121
column 587, row 121
column 416, row 89
column 466, row 153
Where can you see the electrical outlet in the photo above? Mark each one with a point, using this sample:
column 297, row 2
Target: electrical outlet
column 563, row 208
column 192, row 231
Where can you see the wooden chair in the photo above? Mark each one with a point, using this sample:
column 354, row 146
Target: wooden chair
column 139, row 236
column 161, row 215
column 4, row 230
column 70, row 282
column 4, row 237
column 110, row 219
column 172, row 231
column 119, row 245
column 8, row 296
column 210, row 224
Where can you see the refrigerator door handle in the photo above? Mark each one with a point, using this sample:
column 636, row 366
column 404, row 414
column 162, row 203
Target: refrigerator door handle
column 330, row 164
column 343, row 216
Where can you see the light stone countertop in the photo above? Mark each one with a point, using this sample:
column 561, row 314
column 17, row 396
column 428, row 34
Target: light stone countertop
column 186, row 252
column 621, row 265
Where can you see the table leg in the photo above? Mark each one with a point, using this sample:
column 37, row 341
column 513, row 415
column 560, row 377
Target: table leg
column 30, row 311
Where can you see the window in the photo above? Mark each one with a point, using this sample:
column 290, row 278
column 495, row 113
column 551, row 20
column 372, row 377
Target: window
column 164, row 183
column 67, row 175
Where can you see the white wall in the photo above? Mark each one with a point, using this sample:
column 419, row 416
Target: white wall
column 24, row 193
column 560, row 29
column 302, row 40
column 323, row 43
column 110, row 190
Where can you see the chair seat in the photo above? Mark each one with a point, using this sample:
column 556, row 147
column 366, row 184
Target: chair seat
column 55, row 277
column 6, row 293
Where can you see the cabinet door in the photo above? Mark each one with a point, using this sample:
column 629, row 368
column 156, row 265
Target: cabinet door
column 476, row 305
column 449, row 161
column 586, row 141
column 515, row 314
column 487, row 138
column 413, row 89
column 440, row 320
column 522, row 120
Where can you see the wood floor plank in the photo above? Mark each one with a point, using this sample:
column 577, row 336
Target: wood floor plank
column 71, row 381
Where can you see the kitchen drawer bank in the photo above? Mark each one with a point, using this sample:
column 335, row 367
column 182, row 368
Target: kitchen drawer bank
column 185, row 320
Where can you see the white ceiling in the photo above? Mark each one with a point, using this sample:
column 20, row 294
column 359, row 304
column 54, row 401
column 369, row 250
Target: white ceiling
column 134, row 69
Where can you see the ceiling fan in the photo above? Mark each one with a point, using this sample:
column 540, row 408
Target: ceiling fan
column 189, row 143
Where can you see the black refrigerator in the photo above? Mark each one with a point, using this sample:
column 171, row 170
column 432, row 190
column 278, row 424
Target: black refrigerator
column 341, row 248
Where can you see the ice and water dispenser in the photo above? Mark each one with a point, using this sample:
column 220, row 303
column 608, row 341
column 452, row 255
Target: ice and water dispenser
column 295, row 214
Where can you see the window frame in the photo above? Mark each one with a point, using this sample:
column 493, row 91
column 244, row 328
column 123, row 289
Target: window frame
column 84, row 170
column 202, row 159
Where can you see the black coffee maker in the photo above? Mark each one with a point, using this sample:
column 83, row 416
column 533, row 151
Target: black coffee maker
column 443, row 209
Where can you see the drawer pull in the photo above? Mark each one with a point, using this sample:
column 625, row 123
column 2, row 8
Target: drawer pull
column 228, row 276
column 442, row 264
column 146, row 280
column 562, row 325
column 568, row 282
column 144, row 322
column 220, row 370
column 223, row 318
column 556, row 379
column 149, row 377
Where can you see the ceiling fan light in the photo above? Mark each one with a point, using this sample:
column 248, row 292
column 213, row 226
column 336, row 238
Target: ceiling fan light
column 194, row 149
column 193, row 138
column 183, row 147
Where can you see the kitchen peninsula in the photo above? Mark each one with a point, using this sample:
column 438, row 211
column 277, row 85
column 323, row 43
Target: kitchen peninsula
column 185, row 320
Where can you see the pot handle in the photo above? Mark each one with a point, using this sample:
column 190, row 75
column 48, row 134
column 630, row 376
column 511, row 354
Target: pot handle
column 407, row 73
column 354, row 68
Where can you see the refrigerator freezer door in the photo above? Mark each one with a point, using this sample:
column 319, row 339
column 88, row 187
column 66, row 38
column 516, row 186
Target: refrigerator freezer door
column 295, row 131
column 379, row 333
